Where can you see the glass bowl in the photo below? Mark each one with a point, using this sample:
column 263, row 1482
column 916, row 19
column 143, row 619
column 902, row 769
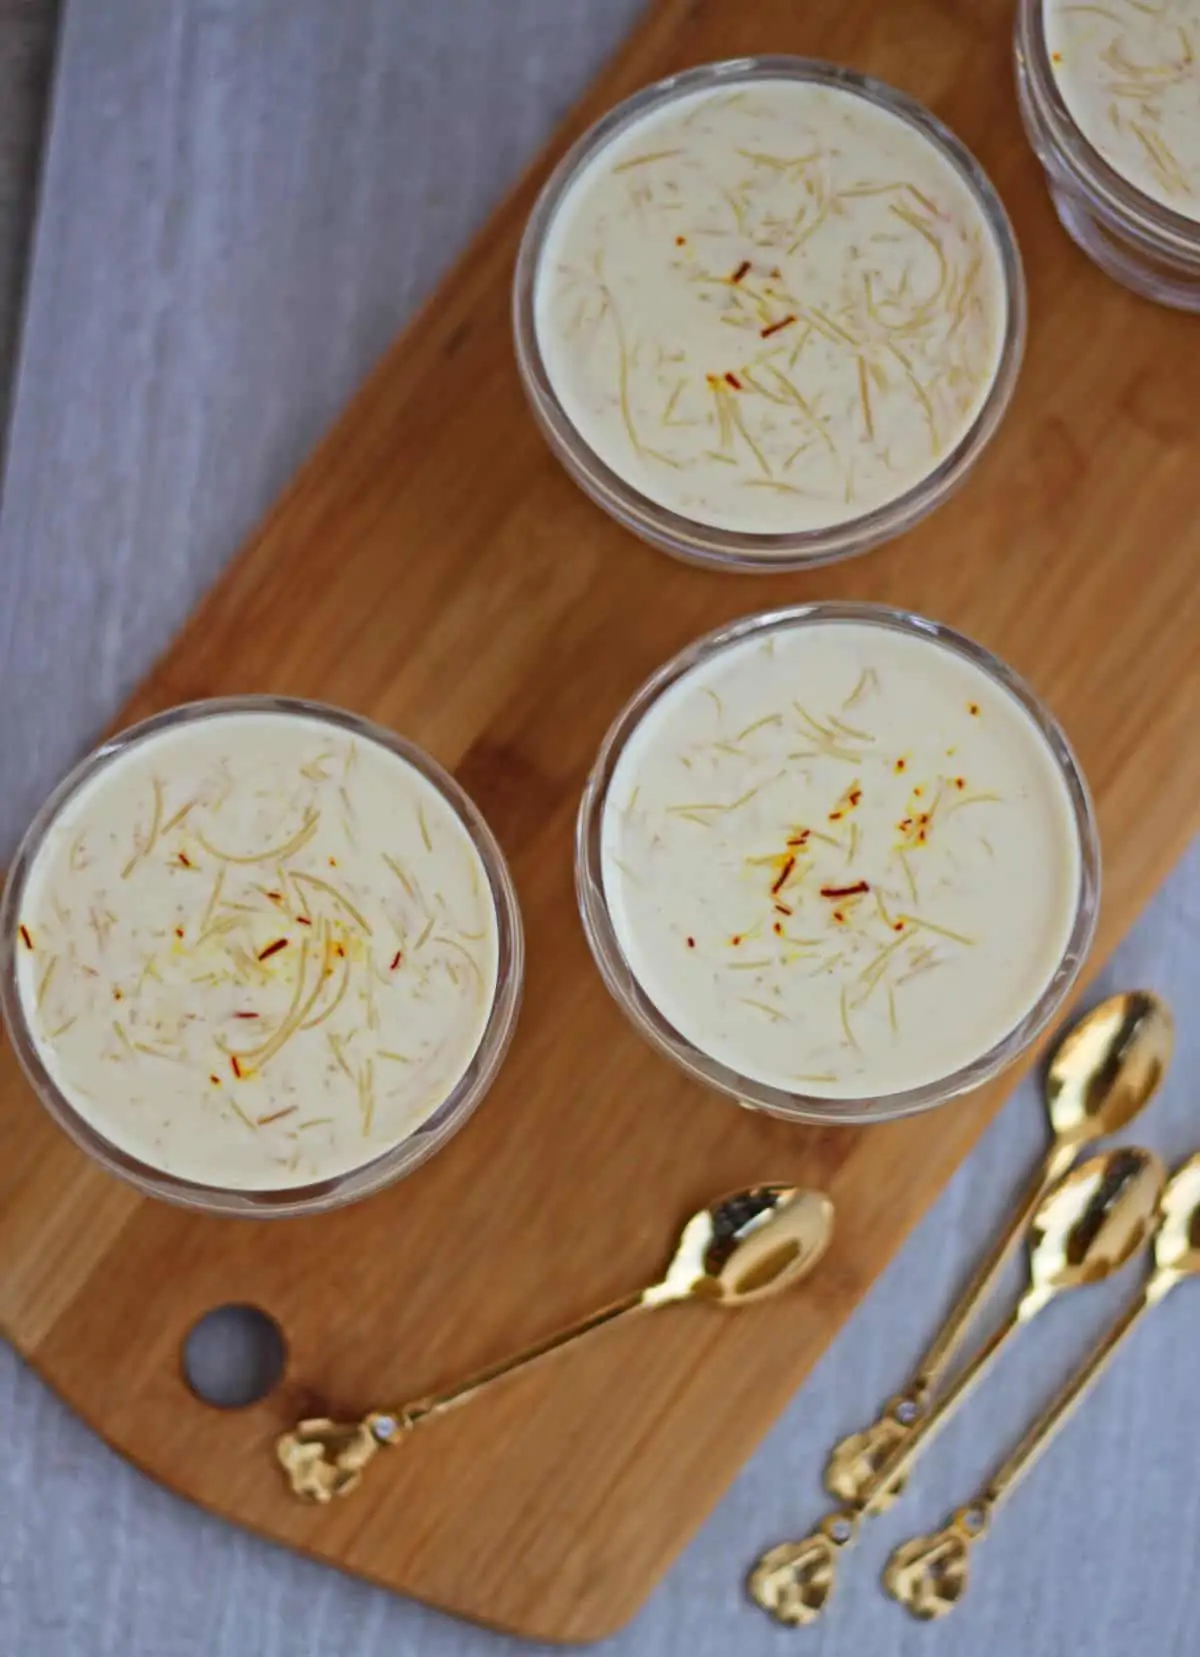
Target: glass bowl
column 688, row 538
column 357, row 1182
column 638, row 1006
column 1136, row 240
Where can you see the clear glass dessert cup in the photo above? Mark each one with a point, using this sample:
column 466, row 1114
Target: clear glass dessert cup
column 641, row 1010
column 1140, row 243
column 684, row 537
column 356, row 1183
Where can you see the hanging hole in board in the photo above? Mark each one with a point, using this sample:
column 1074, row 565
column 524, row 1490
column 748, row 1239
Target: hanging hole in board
column 233, row 1356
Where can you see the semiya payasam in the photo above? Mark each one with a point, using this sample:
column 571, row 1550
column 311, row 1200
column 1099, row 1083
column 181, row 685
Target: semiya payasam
column 256, row 951
column 772, row 309
column 840, row 859
column 1129, row 76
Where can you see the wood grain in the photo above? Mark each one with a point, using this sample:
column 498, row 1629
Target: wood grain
column 432, row 567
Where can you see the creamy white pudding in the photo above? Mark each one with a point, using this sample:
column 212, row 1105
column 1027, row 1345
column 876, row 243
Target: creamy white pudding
column 256, row 950
column 771, row 308
column 840, row 859
column 1129, row 75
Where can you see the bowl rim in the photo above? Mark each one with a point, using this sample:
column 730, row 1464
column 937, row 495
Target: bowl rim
column 688, row 538
column 1060, row 142
column 390, row 1165
column 624, row 986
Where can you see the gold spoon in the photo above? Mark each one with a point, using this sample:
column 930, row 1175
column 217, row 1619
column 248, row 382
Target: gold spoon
column 740, row 1249
column 1101, row 1076
column 929, row 1575
column 1086, row 1227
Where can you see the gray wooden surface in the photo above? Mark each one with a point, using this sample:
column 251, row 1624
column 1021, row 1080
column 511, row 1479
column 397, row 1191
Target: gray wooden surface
column 242, row 203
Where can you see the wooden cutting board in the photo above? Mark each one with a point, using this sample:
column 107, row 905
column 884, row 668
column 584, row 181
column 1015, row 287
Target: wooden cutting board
column 434, row 568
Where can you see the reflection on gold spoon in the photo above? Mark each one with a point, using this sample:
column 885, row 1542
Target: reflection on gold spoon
column 929, row 1575
column 1102, row 1075
column 740, row 1249
column 1085, row 1228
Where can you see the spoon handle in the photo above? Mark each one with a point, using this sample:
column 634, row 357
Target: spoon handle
column 324, row 1459
column 950, row 1336
column 855, row 1461
column 462, row 1392
column 926, row 1428
column 1061, row 1408
column 793, row 1581
column 929, row 1574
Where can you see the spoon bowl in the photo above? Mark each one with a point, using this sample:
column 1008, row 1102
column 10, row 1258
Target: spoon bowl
column 1093, row 1222
column 1105, row 1071
column 748, row 1246
column 1177, row 1246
